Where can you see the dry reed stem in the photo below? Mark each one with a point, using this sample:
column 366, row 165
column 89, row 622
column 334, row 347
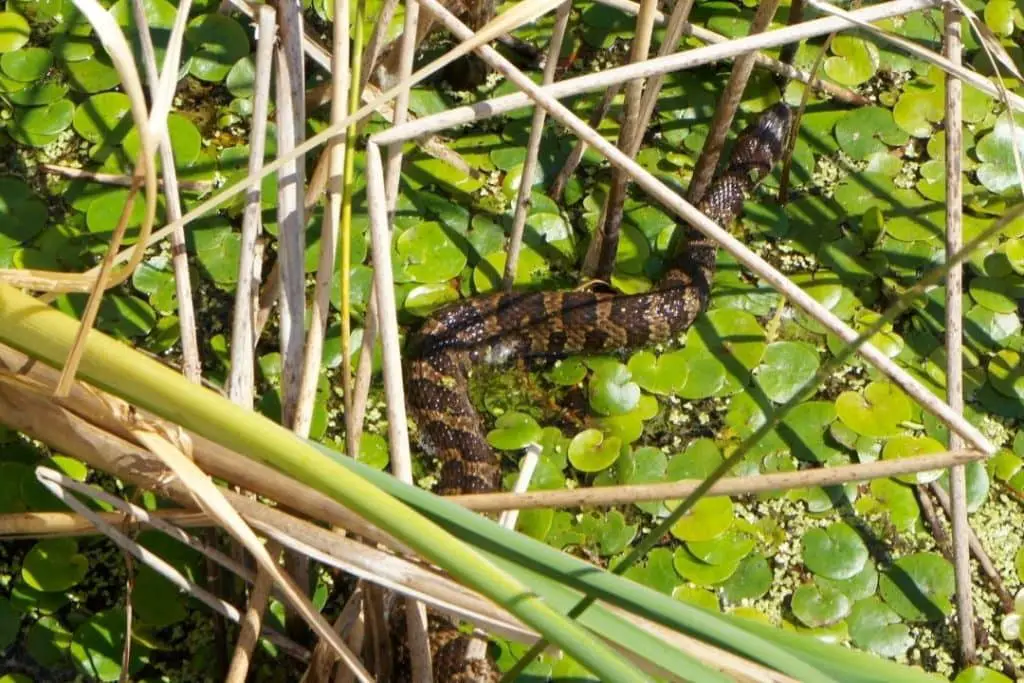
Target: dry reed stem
column 241, row 377
column 291, row 244
column 118, row 179
column 55, row 482
column 978, row 550
column 576, row 155
column 533, row 148
column 601, row 496
column 780, row 67
column 501, row 105
column 957, row 508
column 252, row 621
column 329, row 234
column 599, row 261
column 92, row 306
column 725, row 111
column 191, row 366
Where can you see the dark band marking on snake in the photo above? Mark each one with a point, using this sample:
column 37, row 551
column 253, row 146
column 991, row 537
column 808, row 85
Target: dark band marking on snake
column 497, row 328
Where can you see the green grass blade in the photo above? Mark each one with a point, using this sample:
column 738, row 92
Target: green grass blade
column 794, row 654
column 46, row 334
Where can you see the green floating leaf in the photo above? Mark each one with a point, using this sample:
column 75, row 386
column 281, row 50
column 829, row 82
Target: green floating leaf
column 855, row 61
column 531, row 270
column 918, row 587
column 14, row 31
column 998, row 170
column 514, row 431
column 875, row 627
column 818, row 606
column 590, row 451
column 1006, row 373
column 567, row 372
column 981, row 674
column 708, row 519
column 999, row 294
column 837, row 552
column 862, row 585
column 220, row 41
column 752, row 580
column 657, row 572
column 894, row 500
column 869, row 130
column 427, row 254
column 373, row 451
column 786, row 368
column 104, row 118
column 701, row 597
column 879, row 411
column 729, row 548
column 661, row 375
column 98, row 643
column 27, row 64
column 10, row 624
column 911, row 446
column 47, row 641
column 701, row 573
column 612, row 391
column 92, row 74
column 22, row 214
column 535, row 523
column 217, row 246
column 54, row 565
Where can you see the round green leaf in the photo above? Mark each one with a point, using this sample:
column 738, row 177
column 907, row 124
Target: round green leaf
column 662, row 375
column 27, row 64
column 708, row 519
column 999, row 294
column 217, row 247
column 818, row 606
column 701, row 597
column 1006, row 373
column 14, row 31
column 786, row 368
column 837, row 552
column 590, row 451
column 98, row 643
column 427, row 254
column 862, row 585
column 896, row 501
column 752, row 580
column 422, row 299
column 701, row 573
column 54, row 564
column 535, row 523
column 241, row 79
column 612, row 391
column 998, row 170
column 186, row 141
column 879, row 411
column 729, row 548
column 219, row 42
column 39, row 94
column 918, row 587
column 981, row 674
column 855, row 61
column 45, row 121
column 567, row 372
column 93, row 74
column 514, row 431
column 22, row 214
column 10, row 624
column 373, row 451
column 48, row 641
column 875, row 627
column 868, row 130
column 104, row 118
column 908, row 447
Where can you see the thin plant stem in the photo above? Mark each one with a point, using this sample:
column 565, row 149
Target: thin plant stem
column 190, row 364
column 468, row 114
column 959, row 526
column 241, row 378
column 599, row 261
column 728, row 103
column 602, row 496
column 576, row 155
column 346, row 208
column 250, row 625
column 533, row 148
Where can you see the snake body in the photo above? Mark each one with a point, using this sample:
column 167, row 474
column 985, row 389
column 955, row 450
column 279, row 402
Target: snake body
column 497, row 328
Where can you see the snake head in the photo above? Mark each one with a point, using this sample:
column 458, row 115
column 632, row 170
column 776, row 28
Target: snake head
column 761, row 144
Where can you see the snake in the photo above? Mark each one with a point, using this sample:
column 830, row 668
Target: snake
column 497, row 328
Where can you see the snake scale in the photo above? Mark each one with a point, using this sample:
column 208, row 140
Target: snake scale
column 497, row 328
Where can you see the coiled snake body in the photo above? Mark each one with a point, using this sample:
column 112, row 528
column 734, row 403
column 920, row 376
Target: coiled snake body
column 497, row 328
